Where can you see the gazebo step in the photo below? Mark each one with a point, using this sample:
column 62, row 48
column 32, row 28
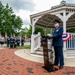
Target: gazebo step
column 69, row 53
column 39, row 51
column 37, row 54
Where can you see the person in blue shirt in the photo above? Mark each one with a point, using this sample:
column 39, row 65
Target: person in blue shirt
column 15, row 42
column 18, row 41
column 22, row 42
column 58, row 44
column 11, row 42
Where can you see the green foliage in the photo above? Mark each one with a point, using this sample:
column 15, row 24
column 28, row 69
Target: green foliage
column 9, row 22
column 72, row 30
column 41, row 30
column 29, row 32
column 23, row 32
column 25, row 47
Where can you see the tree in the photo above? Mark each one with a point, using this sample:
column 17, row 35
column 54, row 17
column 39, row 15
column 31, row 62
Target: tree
column 9, row 22
column 29, row 32
column 1, row 15
column 72, row 30
column 23, row 32
column 41, row 30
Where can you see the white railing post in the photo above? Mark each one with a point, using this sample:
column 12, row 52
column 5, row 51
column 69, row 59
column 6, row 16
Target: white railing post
column 35, row 42
column 39, row 40
column 71, row 43
column 32, row 43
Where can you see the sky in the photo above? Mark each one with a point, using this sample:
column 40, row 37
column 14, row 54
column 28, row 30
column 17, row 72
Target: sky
column 24, row 8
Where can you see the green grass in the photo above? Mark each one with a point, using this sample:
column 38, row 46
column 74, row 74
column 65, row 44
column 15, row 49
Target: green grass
column 25, row 47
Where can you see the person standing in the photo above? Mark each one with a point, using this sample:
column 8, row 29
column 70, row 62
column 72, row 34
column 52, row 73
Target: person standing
column 8, row 42
column 22, row 42
column 2, row 41
column 58, row 44
column 11, row 42
column 15, row 43
column 18, row 41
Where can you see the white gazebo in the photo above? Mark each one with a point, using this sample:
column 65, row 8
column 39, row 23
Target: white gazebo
column 66, row 14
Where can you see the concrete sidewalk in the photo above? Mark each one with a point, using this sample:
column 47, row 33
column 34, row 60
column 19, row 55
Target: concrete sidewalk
column 26, row 55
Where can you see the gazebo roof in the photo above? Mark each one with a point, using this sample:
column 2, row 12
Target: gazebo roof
column 63, row 3
column 47, row 16
column 46, row 21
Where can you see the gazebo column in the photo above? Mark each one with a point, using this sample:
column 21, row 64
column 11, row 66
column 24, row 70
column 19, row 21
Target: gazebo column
column 33, row 26
column 34, row 20
column 64, row 26
column 32, row 36
column 63, row 18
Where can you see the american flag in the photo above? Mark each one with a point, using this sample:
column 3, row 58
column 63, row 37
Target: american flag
column 66, row 37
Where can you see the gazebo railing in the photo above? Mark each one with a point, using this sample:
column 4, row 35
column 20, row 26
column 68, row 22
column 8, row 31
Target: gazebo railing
column 36, row 42
column 70, row 45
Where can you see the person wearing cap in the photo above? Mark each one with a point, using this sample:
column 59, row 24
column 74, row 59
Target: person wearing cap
column 57, row 43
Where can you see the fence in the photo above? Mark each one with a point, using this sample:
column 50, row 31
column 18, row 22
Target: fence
column 71, row 43
column 35, row 42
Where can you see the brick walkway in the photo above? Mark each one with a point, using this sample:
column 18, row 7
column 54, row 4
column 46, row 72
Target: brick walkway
column 10, row 64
